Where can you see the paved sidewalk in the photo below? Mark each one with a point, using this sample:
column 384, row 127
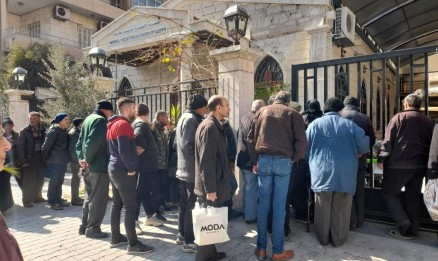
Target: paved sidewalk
column 45, row 234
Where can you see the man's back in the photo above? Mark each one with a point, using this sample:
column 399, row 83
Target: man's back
column 362, row 120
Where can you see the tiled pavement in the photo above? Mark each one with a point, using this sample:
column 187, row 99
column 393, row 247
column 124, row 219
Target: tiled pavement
column 45, row 234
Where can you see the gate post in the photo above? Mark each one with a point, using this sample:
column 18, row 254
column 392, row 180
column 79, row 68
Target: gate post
column 18, row 108
column 236, row 83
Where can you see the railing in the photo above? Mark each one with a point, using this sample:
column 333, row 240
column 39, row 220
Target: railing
column 163, row 97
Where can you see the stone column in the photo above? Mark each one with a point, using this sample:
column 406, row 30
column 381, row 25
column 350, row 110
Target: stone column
column 236, row 82
column 320, row 50
column 3, row 28
column 18, row 108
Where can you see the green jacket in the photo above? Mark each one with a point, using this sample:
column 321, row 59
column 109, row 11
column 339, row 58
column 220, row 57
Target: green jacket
column 92, row 145
column 161, row 140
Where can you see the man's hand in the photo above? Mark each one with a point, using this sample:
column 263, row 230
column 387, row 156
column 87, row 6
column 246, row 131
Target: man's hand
column 212, row 196
column 255, row 169
column 380, row 165
column 151, row 126
column 139, row 150
column 131, row 173
column 84, row 165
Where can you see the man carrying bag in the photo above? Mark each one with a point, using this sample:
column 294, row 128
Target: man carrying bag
column 212, row 178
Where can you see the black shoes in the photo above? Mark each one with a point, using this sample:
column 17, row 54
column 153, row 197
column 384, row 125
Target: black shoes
column 77, row 202
column 118, row 241
column 139, row 248
column 218, row 256
column 95, row 233
column 82, row 230
column 251, row 221
column 160, row 217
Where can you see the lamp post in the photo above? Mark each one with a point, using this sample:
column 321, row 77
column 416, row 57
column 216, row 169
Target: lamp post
column 19, row 75
column 98, row 60
column 236, row 20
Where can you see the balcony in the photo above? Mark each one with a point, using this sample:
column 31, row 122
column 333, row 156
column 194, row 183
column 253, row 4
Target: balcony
column 73, row 48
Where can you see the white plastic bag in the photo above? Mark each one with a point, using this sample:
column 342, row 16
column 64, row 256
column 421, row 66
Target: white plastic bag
column 210, row 225
column 430, row 196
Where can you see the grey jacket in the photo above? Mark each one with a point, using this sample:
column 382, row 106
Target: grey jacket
column 73, row 136
column 185, row 145
column 55, row 146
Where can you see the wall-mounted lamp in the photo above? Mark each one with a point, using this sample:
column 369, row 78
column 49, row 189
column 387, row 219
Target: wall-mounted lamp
column 364, row 69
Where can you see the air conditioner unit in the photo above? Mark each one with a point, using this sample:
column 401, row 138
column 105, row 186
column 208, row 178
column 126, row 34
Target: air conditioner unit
column 345, row 27
column 101, row 25
column 62, row 13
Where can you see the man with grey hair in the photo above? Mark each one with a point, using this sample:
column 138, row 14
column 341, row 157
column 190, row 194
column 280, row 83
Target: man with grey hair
column 276, row 139
column 403, row 158
column 250, row 186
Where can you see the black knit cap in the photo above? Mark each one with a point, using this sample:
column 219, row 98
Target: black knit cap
column 333, row 104
column 7, row 121
column 77, row 121
column 196, row 101
column 104, row 105
column 350, row 100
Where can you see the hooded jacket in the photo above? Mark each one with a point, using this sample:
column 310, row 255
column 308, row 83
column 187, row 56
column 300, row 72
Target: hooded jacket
column 55, row 146
column 121, row 145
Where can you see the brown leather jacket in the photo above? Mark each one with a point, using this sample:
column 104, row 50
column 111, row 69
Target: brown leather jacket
column 277, row 130
column 9, row 249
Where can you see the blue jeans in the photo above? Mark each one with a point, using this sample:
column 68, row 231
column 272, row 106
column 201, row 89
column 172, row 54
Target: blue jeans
column 56, row 174
column 250, row 189
column 274, row 176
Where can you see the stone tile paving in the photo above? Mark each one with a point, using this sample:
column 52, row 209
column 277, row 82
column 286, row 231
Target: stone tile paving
column 45, row 234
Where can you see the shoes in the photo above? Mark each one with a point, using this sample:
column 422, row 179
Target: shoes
column 251, row 221
column 260, row 254
column 153, row 221
column 189, row 248
column 160, row 217
column 64, row 204
column 301, row 220
column 286, row 255
column 27, row 205
column 78, row 202
column 40, row 200
column 138, row 230
column 232, row 214
column 179, row 240
column 56, row 206
column 118, row 241
column 95, row 233
column 218, row 256
column 394, row 232
column 164, row 208
column 63, row 200
column 170, row 204
column 82, row 230
column 139, row 248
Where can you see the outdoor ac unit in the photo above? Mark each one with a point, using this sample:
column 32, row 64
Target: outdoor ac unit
column 345, row 25
column 62, row 13
column 101, row 25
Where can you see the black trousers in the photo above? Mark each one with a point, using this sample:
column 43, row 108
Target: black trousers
column 407, row 216
column 358, row 205
column 148, row 192
column 187, row 200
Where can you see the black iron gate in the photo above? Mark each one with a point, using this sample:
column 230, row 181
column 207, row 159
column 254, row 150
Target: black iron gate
column 406, row 71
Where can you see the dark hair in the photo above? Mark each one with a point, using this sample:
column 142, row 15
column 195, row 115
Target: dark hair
column 214, row 101
column 142, row 109
column 121, row 102
column 159, row 114
column 414, row 100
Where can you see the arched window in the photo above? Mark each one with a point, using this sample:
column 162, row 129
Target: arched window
column 268, row 73
column 341, row 84
column 363, row 98
column 125, row 88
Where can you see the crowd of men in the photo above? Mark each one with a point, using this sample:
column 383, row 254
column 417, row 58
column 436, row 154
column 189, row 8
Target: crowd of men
column 314, row 162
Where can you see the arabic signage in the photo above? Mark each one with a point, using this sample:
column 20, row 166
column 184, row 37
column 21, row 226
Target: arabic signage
column 140, row 31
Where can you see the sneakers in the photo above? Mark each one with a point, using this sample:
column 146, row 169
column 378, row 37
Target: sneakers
column 118, row 241
column 139, row 248
column 56, row 206
column 64, row 204
column 153, row 221
column 161, row 217
column 138, row 230
column 189, row 248
column 179, row 240
column 95, row 233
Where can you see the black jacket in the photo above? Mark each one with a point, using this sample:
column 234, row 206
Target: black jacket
column 26, row 144
column 243, row 159
column 212, row 168
column 433, row 155
column 144, row 138
column 231, row 141
column 55, row 146
column 73, row 137
column 407, row 141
